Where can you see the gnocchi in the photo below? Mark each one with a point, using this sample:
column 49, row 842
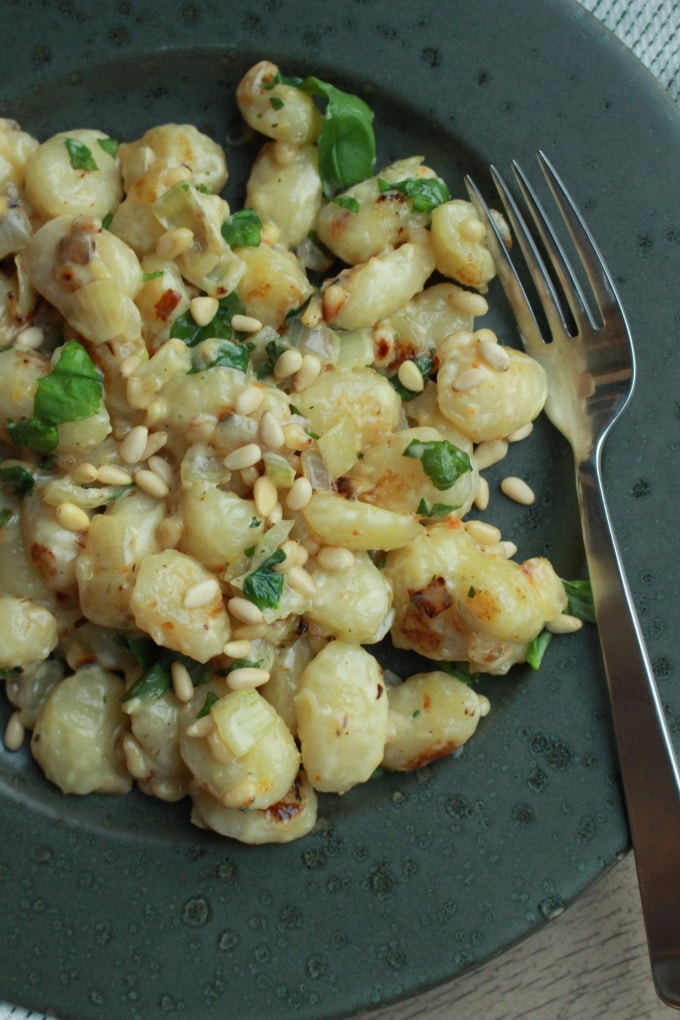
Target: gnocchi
column 239, row 449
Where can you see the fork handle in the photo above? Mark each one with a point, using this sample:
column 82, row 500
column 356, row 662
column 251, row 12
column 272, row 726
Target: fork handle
column 648, row 766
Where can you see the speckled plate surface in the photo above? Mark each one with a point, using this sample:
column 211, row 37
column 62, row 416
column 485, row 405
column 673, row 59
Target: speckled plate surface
column 118, row 908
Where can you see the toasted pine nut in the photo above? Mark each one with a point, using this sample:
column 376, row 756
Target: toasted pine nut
column 472, row 230
column 203, row 309
column 247, row 677
column 84, row 474
column 482, row 497
column 265, row 496
column 308, row 371
column 32, row 337
column 14, row 732
column 299, row 494
column 169, row 532
column 245, row 323
column 334, row 298
column 182, row 683
column 494, row 355
column 109, row 474
column 468, row 379
column 72, row 517
column 508, row 548
column 244, row 610
column 134, row 758
column 248, row 400
column 301, row 581
column 250, row 632
column 468, row 302
column 490, row 452
column 295, row 438
column 287, row 364
column 201, row 593
column 151, row 484
column 483, row 533
column 174, row 243
column 243, row 457
column 129, row 365
column 335, row 558
column 160, row 467
column 202, row 727
column 157, row 441
column 133, row 446
column 564, row 624
column 238, row 649
column 518, row 490
column 521, row 433
column 271, row 431
column 410, row 377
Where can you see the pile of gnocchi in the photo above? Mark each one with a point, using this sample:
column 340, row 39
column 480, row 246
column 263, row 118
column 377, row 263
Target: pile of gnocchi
column 238, row 451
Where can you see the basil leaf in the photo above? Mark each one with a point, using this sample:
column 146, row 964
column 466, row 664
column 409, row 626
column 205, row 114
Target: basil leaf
column 346, row 141
column 459, row 670
column 72, row 391
column 264, row 587
column 436, row 510
column 152, row 684
column 143, row 650
column 274, row 349
column 5, row 516
column 33, row 434
column 19, row 478
column 184, row 327
column 81, row 157
column 580, row 600
column 210, row 700
column 106, row 222
column 229, row 355
column 426, row 193
column 242, row 229
column 425, row 363
column 442, row 462
column 347, row 202
column 240, row 664
column 109, row 146
column 152, row 276
column 537, row 648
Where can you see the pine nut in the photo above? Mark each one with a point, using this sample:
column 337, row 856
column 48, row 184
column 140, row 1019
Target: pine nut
column 201, row 593
column 72, row 517
column 129, row 365
column 564, row 624
column 299, row 495
column 270, row 233
column 483, row 533
column 508, row 548
column 301, row 581
column 169, row 532
column 490, row 452
column 483, row 494
column 202, row 727
column 244, row 610
column 156, row 411
column 294, row 553
column 109, row 474
column 469, row 379
column 523, row 432
column 295, row 438
column 84, row 474
column 308, row 371
column 134, row 758
column 243, row 457
column 265, row 496
column 518, row 490
column 452, row 343
column 246, row 677
column 287, row 364
column 151, row 484
column 271, row 431
column 313, row 313
column 203, row 309
column 182, row 684
column 174, row 243
column 494, row 355
column 410, row 377
column 14, row 732
column 334, row 298
column 133, row 446
column 31, row 337
column 157, row 441
column 383, row 345
column 248, row 400
column 335, row 558
column 238, row 649
column 245, row 323
column 468, row 302
column 160, row 467
column 276, row 515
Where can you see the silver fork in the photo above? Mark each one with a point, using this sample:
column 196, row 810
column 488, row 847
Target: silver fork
column 591, row 368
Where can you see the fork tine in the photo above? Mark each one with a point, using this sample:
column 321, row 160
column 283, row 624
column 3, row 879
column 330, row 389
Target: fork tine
column 555, row 252
column 507, row 274
column 534, row 261
column 599, row 277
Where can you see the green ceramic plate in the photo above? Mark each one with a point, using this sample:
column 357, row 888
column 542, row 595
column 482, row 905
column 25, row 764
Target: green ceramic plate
column 118, row 908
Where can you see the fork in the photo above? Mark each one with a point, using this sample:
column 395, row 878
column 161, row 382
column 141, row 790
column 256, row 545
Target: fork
column 590, row 367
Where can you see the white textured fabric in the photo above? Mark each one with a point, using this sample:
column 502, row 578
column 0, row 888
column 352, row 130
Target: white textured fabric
column 651, row 30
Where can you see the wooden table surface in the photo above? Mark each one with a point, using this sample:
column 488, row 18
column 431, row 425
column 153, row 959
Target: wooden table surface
column 589, row 963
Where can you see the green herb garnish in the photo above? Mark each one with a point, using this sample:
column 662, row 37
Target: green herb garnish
column 425, row 364
column 109, row 146
column 425, row 193
column 229, row 354
column 264, row 586
column 72, row 390
column 210, row 700
column 580, row 600
column 18, row 478
column 81, row 157
column 442, row 462
column 243, row 229
column 184, row 327
column 347, row 202
column 5, row 516
column 436, row 510
column 537, row 649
